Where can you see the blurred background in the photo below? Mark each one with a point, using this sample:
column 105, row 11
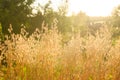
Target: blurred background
column 72, row 15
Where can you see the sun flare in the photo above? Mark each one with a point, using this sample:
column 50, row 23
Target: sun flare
column 93, row 7
column 90, row 7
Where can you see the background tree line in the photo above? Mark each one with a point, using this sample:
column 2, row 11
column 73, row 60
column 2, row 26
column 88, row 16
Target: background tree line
column 19, row 13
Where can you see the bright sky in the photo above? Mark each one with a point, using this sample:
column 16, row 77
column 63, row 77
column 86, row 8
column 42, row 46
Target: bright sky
column 90, row 7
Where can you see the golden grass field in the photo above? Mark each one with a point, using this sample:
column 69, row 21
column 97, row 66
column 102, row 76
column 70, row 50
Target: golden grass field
column 44, row 56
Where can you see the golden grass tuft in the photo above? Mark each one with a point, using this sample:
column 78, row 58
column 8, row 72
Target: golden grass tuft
column 43, row 56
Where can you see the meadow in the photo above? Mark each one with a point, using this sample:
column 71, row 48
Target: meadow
column 44, row 56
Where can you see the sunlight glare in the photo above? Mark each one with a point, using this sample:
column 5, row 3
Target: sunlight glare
column 90, row 7
column 93, row 7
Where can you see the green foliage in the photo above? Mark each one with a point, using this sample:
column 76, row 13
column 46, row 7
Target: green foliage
column 116, row 22
column 116, row 17
column 0, row 28
column 47, row 14
column 1, row 34
column 15, row 12
column 80, row 23
column 20, row 13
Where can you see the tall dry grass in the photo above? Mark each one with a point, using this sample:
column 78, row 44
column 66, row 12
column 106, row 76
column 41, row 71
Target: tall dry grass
column 43, row 56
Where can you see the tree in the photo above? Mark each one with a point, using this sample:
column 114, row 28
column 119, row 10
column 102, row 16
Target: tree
column 80, row 23
column 15, row 12
column 116, row 21
column 116, row 17
column 47, row 14
column 44, row 13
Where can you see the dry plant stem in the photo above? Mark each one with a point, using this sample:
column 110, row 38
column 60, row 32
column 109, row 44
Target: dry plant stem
column 43, row 56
